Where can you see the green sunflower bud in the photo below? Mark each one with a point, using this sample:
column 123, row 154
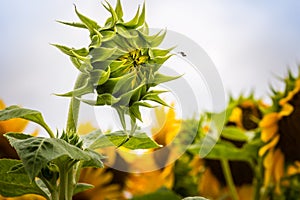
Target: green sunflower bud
column 121, row 63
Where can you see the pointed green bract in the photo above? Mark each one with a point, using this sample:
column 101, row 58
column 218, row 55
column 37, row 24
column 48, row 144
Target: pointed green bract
column 122, row 60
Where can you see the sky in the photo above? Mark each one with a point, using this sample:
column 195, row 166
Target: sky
column 249, row 42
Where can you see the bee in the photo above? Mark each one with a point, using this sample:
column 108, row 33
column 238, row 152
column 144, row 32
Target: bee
column 182, row 53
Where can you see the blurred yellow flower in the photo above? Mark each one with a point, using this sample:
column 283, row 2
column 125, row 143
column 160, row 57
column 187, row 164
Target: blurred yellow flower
column 12, row 125
column 103, row 190
column 244, row 114
column 102, row 178
column 281, row 133
column 167, row 127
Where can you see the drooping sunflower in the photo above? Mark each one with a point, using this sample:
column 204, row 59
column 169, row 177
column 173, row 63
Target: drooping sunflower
column 244, row 115
column 281, row 134
column 121, row 63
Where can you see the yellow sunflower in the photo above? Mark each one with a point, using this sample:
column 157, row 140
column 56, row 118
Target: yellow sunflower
column 163, row 133
column 108, row 183
column 281, row 134
column 12, row 125
column 244, row 114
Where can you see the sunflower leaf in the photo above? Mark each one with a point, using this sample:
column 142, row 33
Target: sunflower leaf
column 81, row 187
column 16, row 183
column 95, row 161
column 223, row 149
column 18, row 112
column 37, row 152
column 97, row 139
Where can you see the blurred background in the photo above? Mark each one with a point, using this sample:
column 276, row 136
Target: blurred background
column 251, row 43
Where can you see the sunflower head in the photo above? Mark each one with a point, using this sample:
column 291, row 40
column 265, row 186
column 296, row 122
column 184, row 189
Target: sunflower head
column 241, row 129
column 244, row 112
column 280, row 132
column 121, row 63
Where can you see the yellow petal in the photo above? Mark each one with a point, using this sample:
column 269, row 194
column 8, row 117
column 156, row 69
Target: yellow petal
column 236, row 116
column 268, row 146
column 287, row 109
column 268, row 132
column 291, row 94
column 209, row 186
column 85, row 128
column 268, row 164
column 278, row 168
column 269, row 120
column 294, row 169
column 245, row 192
column 2, row 105
column 13, row 125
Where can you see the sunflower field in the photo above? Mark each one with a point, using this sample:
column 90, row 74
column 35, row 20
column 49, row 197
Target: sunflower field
column 253, row 156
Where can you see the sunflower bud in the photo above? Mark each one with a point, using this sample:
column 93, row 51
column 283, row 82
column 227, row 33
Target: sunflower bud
column 121, row 63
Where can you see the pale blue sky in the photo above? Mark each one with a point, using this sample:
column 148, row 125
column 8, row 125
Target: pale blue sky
column 249, row 42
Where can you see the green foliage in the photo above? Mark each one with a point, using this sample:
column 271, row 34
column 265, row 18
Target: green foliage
column 162, row 193
column 81, row 187
column 37, row 152
column 18, row 112
column 97, row 139
column 16, row 182
column 185, row 184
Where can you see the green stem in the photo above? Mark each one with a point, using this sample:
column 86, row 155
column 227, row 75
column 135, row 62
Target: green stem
column 63, row 184
column 67, row 175
column 74, row 105
column 71, row 184
column 51, row 134
column 228, row 178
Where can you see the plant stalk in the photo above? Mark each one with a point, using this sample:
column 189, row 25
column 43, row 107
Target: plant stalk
column 74, row 106
column 228, row 178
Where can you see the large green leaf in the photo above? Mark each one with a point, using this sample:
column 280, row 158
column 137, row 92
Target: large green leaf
column 37, row 152
column 97, row 139
column 223, row 149
column 18, row 112
column 16, row 183
column 95, row 161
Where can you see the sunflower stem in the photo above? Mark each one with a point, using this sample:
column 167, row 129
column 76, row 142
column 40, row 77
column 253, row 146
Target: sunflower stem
column 74, row 106
column 229, row 179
